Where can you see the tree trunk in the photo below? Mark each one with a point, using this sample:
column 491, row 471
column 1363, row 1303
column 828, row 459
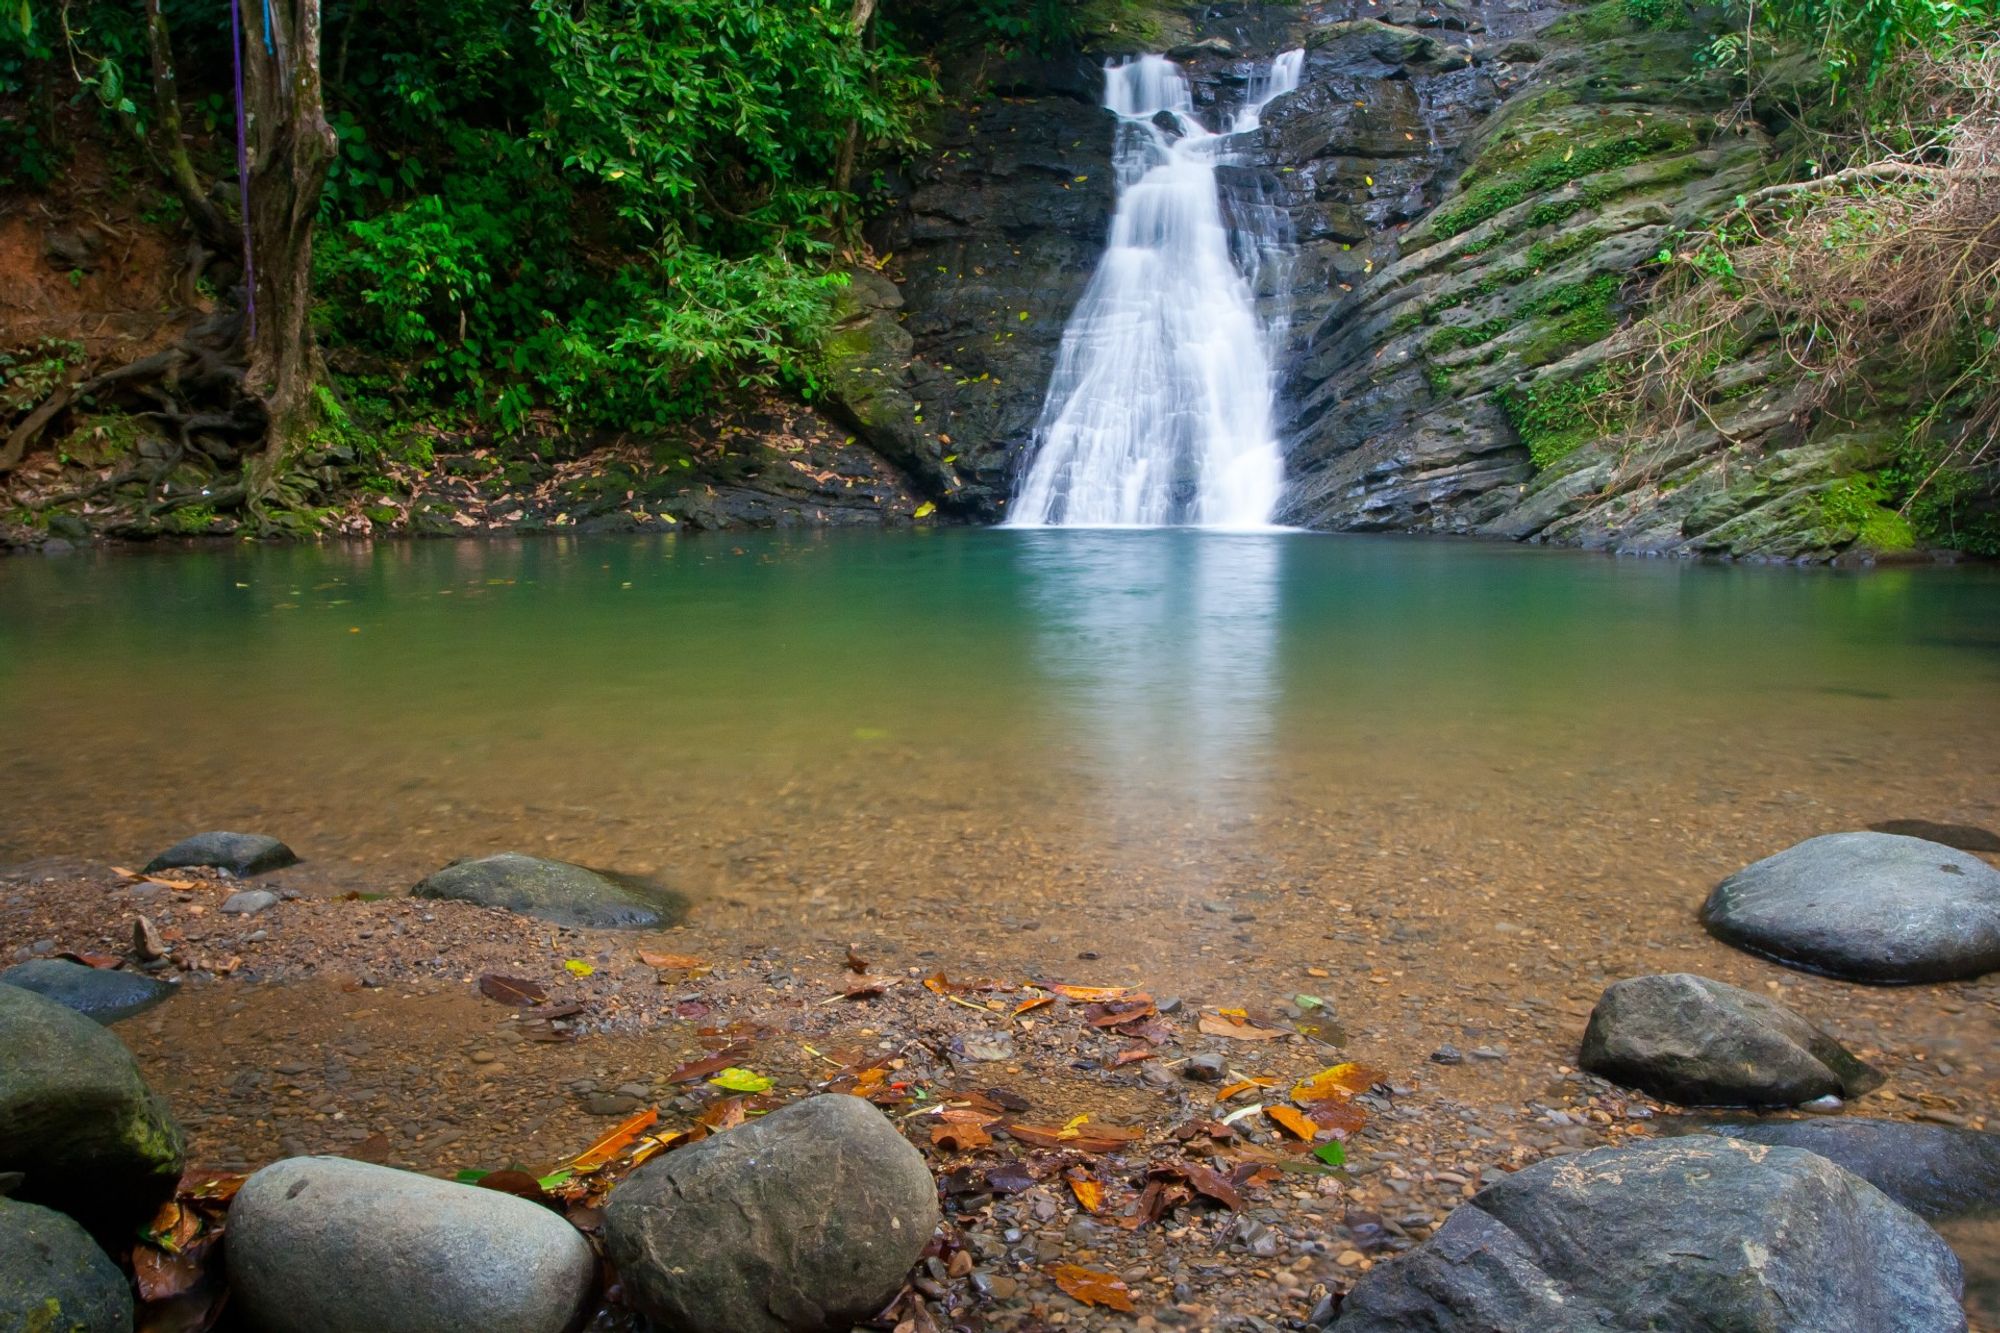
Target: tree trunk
column 206, row 218
column 843, row 170
column 291, row 150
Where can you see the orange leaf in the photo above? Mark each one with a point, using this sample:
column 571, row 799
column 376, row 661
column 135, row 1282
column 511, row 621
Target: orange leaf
column 1217, row 1025
column 956, row 1137
column 1131, row 1056
column 1295, row 1123
column 1091, row 994
column 673, row 962
column 1094, row 1288
column 725, row 1114
column 1036, row 1003
column 1343, row 1118
column 606, row 1149
column 1341, row 1082
column 1089, row 1193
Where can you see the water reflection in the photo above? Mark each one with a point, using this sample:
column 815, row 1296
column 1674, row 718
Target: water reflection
column 1159, row 649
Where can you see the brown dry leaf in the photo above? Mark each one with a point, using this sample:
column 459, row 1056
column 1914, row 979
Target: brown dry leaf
column 1089, row 1193
column 517, row 991
column 98, row 960
column 1083, row 1137
column 1095, row 1288
column 1132, row 1056
column 1126, row 1011
column 1221, row 1025
column 520, row 1184
column 697, row 1069
column 953, row 1136
column 1343, row 1118
column 1036, row 1003
column 1212, row 1184
column 603, row 1152
column 856, row 963
column 1341, row 1082
column 672, row 962
column 725, row 1114
column 941, row 984
column 1089, row 994
column 1294, row 1122
column 374, row 1148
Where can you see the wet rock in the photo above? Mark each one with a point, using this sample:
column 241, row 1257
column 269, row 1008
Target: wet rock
column 1865, row 906
column 1205, row 1067
column 1702, row 1043
column 240, row 854
column 559, row 891
column 1677, row 1236
column 1448, row 1054
column 804, row 1220
column 1965, row 837
column 101, row 993
column 249, row 902
column 77, row 1120
column 54, row 1278
column 328, row 1245
column 1935, row 1171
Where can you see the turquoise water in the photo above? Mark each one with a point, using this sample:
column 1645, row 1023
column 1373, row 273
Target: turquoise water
column 753, row 713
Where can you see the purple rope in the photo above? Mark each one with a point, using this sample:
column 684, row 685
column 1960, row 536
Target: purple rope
column 243, row 162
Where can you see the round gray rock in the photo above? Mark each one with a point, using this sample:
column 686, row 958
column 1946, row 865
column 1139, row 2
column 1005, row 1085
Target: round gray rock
column 558, row 891
column 1867, row 907
column 54, row 1278
column 77, row 1120
column 1703, row 1043
column 102, row 993
column 1935, row 1171
column 1689, row 1235
column 238, row 853
column 328, row 1245
column 807, row 1219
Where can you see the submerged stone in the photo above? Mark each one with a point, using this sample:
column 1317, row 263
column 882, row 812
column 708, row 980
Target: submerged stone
column 77, row 1120
column 1685, row 1235
column 241, row 854
column 1935, row 1171
column 54, row 1278
column 559, row 891
column 104, row 994
column 807, row 1219
column 1867, row 907
column 1699, row 1042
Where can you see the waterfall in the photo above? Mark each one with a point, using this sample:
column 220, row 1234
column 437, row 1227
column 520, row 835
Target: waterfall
column 1159, row 411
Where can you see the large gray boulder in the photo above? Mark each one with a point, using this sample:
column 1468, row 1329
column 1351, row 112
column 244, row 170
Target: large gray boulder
column 807, row 1219
column 1934, row 1171
column 54, row 1279
column 328, row 1245
column 558, row 891
column 1690, row 1235
column 1867, row 907
column 77, row 1120
column 239, row 853
column 1699, row 1042
column 102, row 993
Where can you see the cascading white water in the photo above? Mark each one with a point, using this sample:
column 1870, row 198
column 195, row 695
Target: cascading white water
column 1160, row 408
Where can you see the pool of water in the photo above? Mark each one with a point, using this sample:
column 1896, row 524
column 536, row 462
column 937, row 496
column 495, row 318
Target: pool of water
column 879, row 714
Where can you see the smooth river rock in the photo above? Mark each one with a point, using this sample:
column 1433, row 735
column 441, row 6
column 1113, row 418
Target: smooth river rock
column 105, row 994
column 1867, row 907
column 1699, row 1042
column 54, row 1278
column 807, row 1219
column 1688, row 1235
column 1935, row 1171
column 558, row 891
column 239, row 853
column 77, row 1120
column 328, row 1245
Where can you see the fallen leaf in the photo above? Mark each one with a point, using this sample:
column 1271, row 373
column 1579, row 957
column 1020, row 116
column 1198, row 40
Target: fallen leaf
column 1089, row 1193
column 603, row 1152
column 1240, row 1087
column 924, row 510
column 1213, row 1184
column 1009, row 1178
column 517, row 1183
column 516, row 991
column 958, row 1137
column 99, row 960
column 1084, row 1138
column 725, row 1114
column 1128, row 1011
column 1036, row 1003
column 1094, row 1288
column 1132, row 1056
column 1089, row 994
column 1221, row 1025
column 1331, row 1152
column 1340, row 1082
column 1294, row 1122
column 741, row 1080
column 855, row 963
column 1343, row 1118
column 576, row 967
column 374, row 1148
column 696, row 1069
column 672, row 962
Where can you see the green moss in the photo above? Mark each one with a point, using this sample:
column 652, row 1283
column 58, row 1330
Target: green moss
column 1579, row 313
column 1438, row 378
column 191, row 521
column 1619, row 18
column 1852, row 509
column 1552, row 170
column 1407, row 320
column 1554, row 418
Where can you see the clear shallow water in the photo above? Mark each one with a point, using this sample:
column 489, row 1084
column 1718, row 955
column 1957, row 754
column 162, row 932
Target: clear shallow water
column 1127, row 714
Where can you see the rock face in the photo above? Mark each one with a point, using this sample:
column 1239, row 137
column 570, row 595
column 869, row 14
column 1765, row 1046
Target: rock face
column 54, row 1279
column 1702, row 1043
column 101, row 993
column 239, row 853
column 327, row 1245
column 1865, row 906
column 1935, row 1171
column 77, row 1120
column 558, row 891
column 805, row 1220
column 1685, row 1235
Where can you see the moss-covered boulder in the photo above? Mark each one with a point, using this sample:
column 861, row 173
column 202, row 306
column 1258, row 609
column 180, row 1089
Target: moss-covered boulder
column 559, row 891
column 54, row 1278
column 77, row 1120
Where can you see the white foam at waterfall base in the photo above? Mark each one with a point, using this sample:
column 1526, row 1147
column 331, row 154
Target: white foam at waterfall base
column 1160, row 408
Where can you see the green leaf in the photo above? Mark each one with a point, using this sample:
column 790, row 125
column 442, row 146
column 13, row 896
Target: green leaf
column 733, row 1079
column 470, row 1176
column 1331, row 1152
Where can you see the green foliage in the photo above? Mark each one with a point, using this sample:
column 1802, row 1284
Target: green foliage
column 1857, row 39
column 1554, row 417
column 1853, row 509
column 1576, row 313
column 1552, row 170
column 28, row 375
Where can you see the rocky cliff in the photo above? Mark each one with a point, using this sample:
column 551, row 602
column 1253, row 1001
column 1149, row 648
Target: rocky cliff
column 1476, row 193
